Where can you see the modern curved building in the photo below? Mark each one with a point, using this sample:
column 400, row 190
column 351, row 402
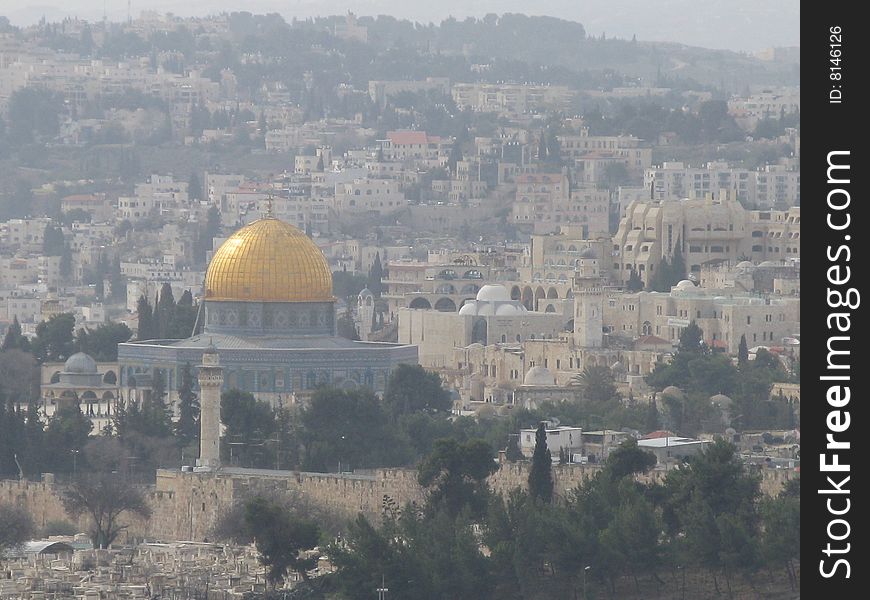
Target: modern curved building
column 270, row 312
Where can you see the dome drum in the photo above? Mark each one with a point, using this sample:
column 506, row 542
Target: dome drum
column 263, row 318
column 269, row 278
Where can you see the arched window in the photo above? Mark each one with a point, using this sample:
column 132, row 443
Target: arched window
column 478, row 332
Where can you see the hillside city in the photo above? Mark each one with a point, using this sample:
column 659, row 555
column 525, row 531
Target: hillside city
column 354, row 307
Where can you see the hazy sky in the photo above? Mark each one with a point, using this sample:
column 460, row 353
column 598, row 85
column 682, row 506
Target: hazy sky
column 746, row 25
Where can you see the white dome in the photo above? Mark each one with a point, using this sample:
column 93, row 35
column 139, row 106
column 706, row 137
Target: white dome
column 80, row 363
column 506, row 310
column 539, row 376
column 468, row 309
column 685, row 284
column 745, row 264
column 493, row 292
column 768, row 263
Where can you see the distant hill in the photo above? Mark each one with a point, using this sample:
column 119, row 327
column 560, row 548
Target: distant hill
column 743, row 25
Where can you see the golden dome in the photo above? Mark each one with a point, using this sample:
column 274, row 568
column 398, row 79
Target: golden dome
column 269, row 261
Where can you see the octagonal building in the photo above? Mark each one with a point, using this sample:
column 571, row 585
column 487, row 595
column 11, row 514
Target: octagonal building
column 270, row 312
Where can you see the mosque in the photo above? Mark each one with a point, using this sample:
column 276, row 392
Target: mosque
column 270, row 314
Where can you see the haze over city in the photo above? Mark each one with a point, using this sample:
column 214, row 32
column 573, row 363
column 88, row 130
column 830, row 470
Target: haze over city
column 741, row 25
column 497, row 307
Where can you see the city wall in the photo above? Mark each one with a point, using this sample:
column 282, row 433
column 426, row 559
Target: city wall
column 186, row 506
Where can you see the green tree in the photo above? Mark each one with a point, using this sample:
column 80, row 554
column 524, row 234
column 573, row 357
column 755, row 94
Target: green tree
column 455, row 475
column 281, row 538
column 349, row 427
column 541, row 473
column 596, row 383
column 376, row 275
column 14, row 339
column 187, row 426
column 164, row 311
column 348, row 285
column 742, row 352
column 33, row 115
column 630, row 544
column 102, row 342
column 194, row 187
column 65, row 266
column 345, row 327
column 156, row 412
column 53, row 241
column 209, row 230
column 183, row 318
column 247, row 421
column 19, row 376
column 411, row 388
column 146, row 329
column 629, row 459
column 678, row 265
column 66, row 434
column 781, row 541
column 635, row 283
column 16, row 527
column 54, row 340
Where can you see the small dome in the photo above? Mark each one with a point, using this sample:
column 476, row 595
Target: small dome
column 721, row 400
column 685, row 284
column 674, row 392
column 745, row 264
column 80, row 363
column 588, row 253
column 767, row 263
column 468, row 309
column 493, row 292
column 539, row 376
column 507, row 310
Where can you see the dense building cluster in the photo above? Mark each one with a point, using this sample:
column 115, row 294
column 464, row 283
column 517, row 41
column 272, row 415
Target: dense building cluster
column 233, row 241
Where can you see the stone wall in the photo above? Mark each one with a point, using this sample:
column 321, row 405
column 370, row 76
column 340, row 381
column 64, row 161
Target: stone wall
column 186, row 506
column 42, row 500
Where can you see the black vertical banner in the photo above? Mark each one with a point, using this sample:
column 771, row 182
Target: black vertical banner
column 834, row 422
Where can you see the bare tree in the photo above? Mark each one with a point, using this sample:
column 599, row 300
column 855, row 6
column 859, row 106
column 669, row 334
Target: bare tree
column 104, row 497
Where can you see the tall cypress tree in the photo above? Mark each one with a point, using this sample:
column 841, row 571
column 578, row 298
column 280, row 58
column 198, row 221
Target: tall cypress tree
column 166, row 306
column 14, row 339
column 146, row 319
column 187, row 426
column 376, row 274
column 678, row 265
column 157, row 415
column 541, row 474
column 742, row 352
